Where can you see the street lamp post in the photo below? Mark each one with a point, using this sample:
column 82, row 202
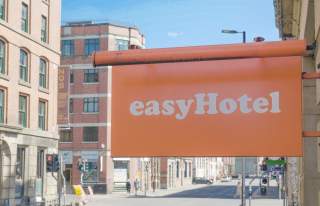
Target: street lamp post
column 243, row 180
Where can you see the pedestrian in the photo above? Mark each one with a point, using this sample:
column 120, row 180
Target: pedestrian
column 136, row 186
column 238, row 190
column 153, row 185
column 128, row 186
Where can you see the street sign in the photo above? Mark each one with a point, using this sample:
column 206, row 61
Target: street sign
column 220, row 100
column 237, row 107
column 275, row 162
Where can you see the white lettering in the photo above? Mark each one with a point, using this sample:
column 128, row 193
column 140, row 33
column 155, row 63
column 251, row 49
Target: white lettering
column 168, row 107
column 201, row 103
column 152, row 108
column 275, row 99
column 184, row 107
column 260, row 105
column 135, row 106
column 244, row 108
column 228, row 106
column 207, row 104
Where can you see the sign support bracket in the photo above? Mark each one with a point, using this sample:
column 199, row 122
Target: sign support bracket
column 306, row 76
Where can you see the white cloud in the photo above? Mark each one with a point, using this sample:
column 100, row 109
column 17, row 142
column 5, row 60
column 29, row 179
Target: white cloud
column 174, row 34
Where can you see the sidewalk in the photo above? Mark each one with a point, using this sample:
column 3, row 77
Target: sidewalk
column 158, row 193
column 165, row 192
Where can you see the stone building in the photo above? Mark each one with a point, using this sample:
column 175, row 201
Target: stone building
column 300, row 19
column 29, row 60
column 85, row 104
column 208, row 167
column 175, row 172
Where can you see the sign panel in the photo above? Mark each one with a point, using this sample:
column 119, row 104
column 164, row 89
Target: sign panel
column 63, row 81
column 237, row 107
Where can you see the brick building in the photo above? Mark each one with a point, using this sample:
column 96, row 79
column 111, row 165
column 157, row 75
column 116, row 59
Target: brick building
column 86, row 92
column 29, row 60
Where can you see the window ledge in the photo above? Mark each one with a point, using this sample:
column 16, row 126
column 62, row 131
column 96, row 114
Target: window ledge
column 90, row 142
column 90, row 113
column 90, row 83
column 5, row 125
column 44, row 90
column 23, row 83
column 44, row 43
column 4, row 76
column 65, row 142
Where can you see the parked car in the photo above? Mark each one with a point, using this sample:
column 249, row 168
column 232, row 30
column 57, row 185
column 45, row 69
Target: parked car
column 201, row 180
column 226, row 179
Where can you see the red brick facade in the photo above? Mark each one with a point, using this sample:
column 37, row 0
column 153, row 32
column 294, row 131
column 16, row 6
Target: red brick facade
column 97, row 152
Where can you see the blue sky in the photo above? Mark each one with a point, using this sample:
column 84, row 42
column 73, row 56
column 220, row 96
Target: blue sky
column 170, row 23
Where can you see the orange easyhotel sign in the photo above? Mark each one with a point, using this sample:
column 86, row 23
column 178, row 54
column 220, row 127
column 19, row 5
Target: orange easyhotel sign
column 222, row 107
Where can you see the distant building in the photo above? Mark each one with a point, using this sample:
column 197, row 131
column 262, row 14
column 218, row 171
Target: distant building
column 29, row 60
column 251, row 166
column 85, row 103
column 208, row 167
column 175, row 172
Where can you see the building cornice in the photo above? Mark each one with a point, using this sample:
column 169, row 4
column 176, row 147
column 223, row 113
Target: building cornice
column 287, row 17
column 28, row 36
column 26, row 131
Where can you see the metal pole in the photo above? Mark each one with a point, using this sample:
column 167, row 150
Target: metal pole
column 243, row 37
column 250, row 194
column 243, row 190
column 145, row 178
column 243, row 196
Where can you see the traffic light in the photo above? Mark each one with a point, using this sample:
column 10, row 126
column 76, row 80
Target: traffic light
column 264, row 180
column 56, row 163
column 264, row 167
column 83, row 165
column 53, row 164
column 49, row 160
column 80, row 165
column 86, row 166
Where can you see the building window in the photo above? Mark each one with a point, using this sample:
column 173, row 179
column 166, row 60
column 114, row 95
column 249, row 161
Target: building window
column 25, row 18
column 2, row 57
column 23, row 65
column 90, row 134
column 20, row 171
column 67, row 47
column 122, row 44
column 70, row 105
column 23, row 111
column 91, row 75
column 66, row 135
column 42, row 115
column 44, row 28
column 2, row 105
column 71, row 77
column 91, row 45
column 43, row 73
column 91, row 104
column 185, row 169
column 2, row 9
column 40, row 163
column 178, row 170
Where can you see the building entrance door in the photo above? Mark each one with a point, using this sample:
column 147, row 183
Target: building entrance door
column 20, row 175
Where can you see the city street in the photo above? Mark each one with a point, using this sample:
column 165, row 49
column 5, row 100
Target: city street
column 221, row 193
